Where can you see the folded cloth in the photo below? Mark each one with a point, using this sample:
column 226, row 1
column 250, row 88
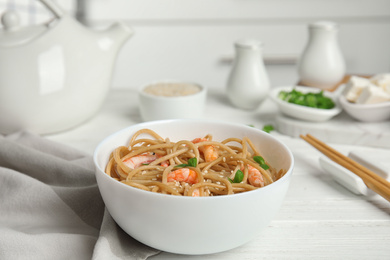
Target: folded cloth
column 51, row 208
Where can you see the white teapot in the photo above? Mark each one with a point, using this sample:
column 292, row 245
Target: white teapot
column 56, row 75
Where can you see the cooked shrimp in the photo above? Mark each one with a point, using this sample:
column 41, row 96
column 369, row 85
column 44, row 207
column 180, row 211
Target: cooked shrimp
column 255, row 178
column 145, row 158
column 196, row 193
column 183, row 174
column 209, row 151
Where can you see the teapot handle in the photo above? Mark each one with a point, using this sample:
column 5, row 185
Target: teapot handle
column 54, row 8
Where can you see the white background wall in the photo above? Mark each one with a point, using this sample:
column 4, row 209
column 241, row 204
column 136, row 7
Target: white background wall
column 193, row 40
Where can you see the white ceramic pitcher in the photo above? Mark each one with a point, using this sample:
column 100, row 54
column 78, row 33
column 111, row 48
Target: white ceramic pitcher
column 322, row 64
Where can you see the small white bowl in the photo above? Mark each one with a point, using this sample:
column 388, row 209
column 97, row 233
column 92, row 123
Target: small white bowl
column 188, row 225
column 157, row 107
column 366, row 112
column 303, row 112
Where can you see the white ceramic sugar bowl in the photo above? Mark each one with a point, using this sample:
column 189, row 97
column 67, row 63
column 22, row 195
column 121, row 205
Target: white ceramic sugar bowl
column 322, row 64
column 171, row 99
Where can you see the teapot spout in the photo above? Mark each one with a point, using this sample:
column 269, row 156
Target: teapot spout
column 119, row 32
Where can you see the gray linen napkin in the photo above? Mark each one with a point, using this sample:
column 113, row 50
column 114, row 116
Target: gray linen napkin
column 51, row 208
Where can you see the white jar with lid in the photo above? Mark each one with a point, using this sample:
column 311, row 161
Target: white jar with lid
column 322, row 64
column 248, row 83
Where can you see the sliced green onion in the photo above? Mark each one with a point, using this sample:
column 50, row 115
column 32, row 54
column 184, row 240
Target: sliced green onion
column 260, row 160
column 238, row 177
column 192, row 162
column 315, row 100
column 264, row 166
column 181, row 165
column 268, row 128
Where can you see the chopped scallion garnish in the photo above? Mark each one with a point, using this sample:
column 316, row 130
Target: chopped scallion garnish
column 192, row 162
column 268, row 128
column 315, row 100
column 260, row 160
column 238, row 177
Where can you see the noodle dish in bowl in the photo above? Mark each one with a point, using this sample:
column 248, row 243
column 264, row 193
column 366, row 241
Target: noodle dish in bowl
column 180, row 185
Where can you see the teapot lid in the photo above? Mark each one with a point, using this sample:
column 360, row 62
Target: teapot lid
column 14, row 34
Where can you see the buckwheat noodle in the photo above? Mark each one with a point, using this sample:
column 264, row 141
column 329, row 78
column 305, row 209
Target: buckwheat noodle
column 210, row 177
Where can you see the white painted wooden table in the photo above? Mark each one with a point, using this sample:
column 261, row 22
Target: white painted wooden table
column 319, row 219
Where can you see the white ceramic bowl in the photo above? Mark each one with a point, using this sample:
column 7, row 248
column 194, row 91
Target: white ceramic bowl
column 188, row 225
column 154, row 107
column 366, row 112
column 303, row 112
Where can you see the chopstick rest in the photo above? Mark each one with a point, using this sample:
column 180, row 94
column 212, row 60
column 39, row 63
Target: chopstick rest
column 344, row 177
column 350, row 180
column 373, row 165
column 373, row 181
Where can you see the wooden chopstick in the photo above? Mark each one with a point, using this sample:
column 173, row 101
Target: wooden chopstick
column 371, row 179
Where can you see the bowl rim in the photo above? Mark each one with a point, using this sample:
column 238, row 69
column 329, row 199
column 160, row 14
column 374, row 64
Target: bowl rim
column 100, row 171
column 309, row 110
column 141, row 92
column 345, row 103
